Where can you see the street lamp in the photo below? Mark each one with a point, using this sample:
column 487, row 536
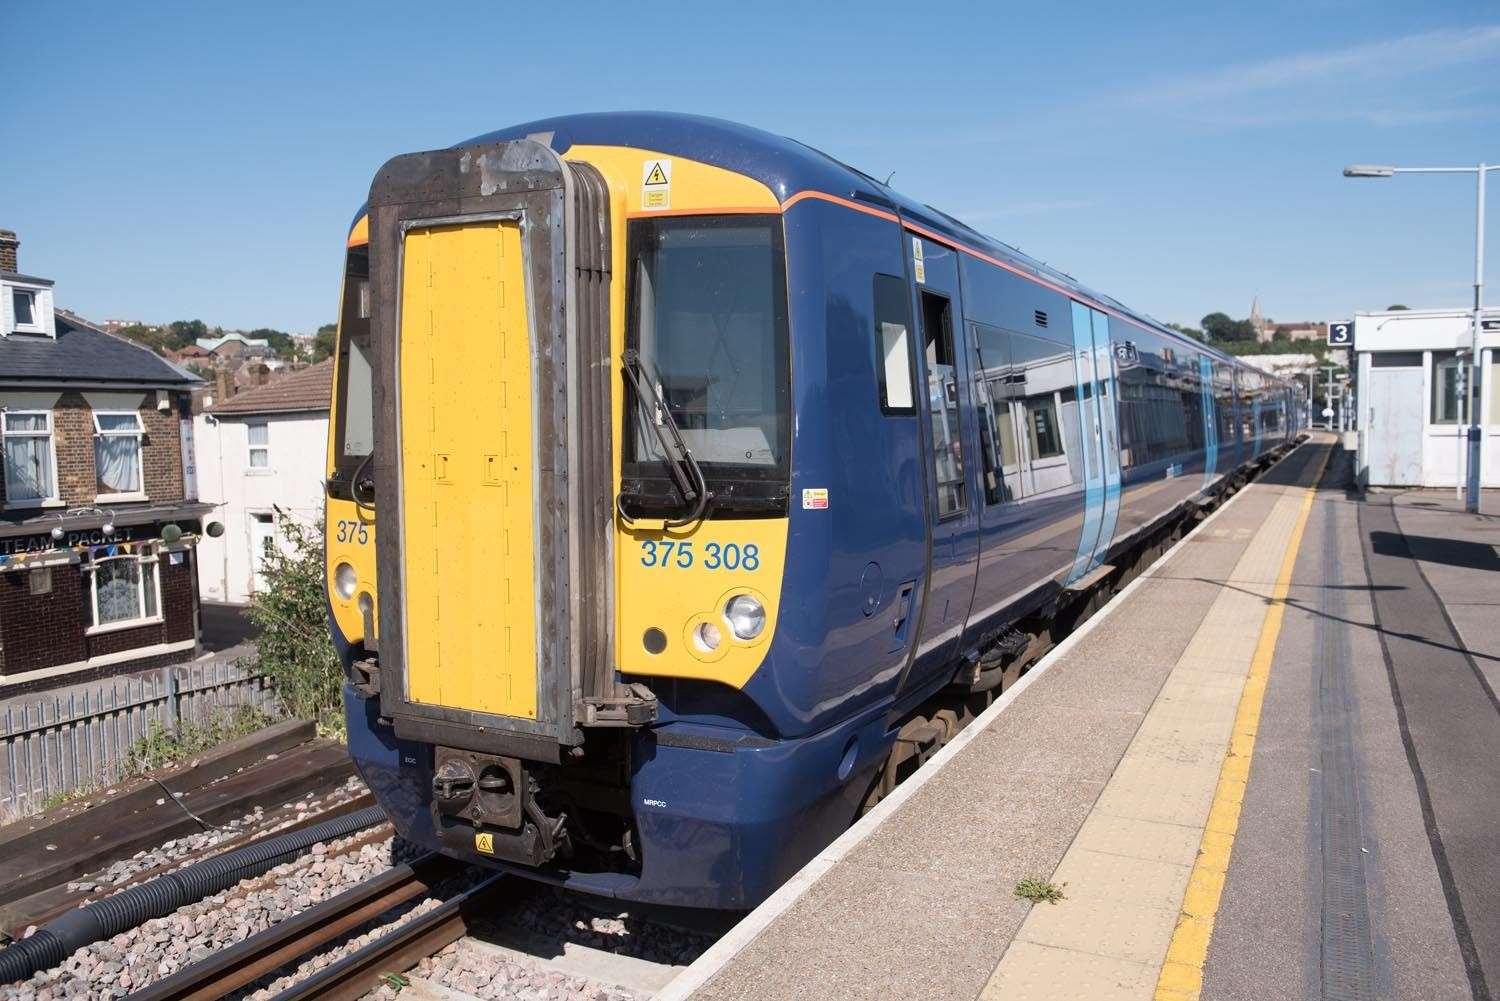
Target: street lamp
column 1471, row 496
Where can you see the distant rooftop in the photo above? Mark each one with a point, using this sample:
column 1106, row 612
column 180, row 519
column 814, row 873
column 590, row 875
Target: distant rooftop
column 308, row 389
column 86, row 355
column 214, row 343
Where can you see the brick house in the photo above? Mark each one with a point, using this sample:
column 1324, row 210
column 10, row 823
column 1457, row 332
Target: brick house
column 99, row 515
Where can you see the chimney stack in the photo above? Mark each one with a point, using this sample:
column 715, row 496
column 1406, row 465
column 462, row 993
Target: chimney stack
column 8, row 246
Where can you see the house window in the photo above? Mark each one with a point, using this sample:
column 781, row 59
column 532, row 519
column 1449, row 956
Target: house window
column 24, row 302
column 124, row 589
column 260, row 445
column 117, row 452
column 30, row 464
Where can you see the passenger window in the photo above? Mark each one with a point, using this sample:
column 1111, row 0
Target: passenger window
column 942, row 395
column 893, row 345
column 997, row 429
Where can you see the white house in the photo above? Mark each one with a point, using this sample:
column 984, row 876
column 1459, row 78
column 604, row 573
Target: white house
column 261, row 461
column 1411, row 395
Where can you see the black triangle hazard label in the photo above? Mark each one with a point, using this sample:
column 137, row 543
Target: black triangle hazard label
column 657, row 175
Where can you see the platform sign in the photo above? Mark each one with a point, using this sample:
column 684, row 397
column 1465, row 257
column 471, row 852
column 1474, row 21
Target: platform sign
column 1490, row 326
column 1340, row 335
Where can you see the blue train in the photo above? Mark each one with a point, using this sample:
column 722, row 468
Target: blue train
column 688, row 487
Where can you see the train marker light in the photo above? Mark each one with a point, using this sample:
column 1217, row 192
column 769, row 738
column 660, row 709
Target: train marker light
column 345, row 580
column 746, row 616
column 708, row 636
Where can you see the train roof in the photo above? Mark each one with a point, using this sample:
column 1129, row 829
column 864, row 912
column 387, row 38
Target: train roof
column 787, row 167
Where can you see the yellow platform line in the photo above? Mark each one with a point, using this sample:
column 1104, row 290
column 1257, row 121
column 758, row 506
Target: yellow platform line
column 1181, row 977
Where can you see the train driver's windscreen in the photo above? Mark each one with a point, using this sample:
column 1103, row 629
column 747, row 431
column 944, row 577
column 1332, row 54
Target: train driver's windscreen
column 707, row 309
column 354, row 438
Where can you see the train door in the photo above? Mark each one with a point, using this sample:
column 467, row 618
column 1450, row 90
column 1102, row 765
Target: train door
column 952, row 509
column 1098, row 437
column 1210, row 421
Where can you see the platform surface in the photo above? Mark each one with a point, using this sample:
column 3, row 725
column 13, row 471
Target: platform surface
column 1269, row 769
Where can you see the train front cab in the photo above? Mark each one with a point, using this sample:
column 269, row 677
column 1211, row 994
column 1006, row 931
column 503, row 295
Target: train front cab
column 534, row 681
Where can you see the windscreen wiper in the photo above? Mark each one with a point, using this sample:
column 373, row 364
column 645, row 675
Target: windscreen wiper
column 675, row 453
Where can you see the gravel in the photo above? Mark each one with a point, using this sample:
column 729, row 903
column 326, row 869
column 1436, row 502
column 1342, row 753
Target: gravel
column 464, row 968
column 160, row 947
column 186, row 848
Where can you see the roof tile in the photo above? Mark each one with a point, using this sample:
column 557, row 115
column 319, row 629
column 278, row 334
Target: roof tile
column 306, row 389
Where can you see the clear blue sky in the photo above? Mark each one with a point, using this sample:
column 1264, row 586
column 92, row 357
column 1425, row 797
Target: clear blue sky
column 179, row 160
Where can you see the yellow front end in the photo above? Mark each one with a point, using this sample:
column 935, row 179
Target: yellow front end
column 349, row 527
column 468, row 556
column 677, row 580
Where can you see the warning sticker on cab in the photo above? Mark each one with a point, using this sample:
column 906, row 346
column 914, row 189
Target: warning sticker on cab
column 484, row 842
column 814, row 498
column 656, row 184
column 918, row 266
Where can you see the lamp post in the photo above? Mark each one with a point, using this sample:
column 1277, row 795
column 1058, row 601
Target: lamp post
column 1474, row 433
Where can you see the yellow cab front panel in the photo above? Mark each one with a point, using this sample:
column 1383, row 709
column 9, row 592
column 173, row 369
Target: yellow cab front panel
column 467, row 469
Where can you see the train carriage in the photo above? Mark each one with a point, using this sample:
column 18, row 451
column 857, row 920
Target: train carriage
column 687, row 486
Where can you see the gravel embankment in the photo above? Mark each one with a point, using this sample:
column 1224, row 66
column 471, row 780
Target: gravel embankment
column 187, row 848
column 160, row 947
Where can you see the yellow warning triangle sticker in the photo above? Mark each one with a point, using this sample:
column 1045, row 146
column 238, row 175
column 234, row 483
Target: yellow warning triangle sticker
column 657, row 176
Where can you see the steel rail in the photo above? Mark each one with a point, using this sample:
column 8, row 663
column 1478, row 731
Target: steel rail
column 302, row 934
column 400, row 949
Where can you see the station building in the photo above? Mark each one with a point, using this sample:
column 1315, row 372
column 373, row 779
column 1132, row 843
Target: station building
column 98, row 501
column 1411, row 396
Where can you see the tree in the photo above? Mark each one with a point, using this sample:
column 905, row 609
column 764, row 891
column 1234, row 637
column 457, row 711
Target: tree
column 1220, row 328
column 155, row 338
column 280, row 341
column 1397, row 308
column 185, row 332
column 292, row 613
column 325, row 342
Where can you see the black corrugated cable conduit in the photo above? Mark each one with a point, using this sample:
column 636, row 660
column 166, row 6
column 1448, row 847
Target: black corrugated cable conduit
column 59, row 938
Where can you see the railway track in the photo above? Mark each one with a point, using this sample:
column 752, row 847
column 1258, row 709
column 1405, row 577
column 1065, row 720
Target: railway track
column 297, row 938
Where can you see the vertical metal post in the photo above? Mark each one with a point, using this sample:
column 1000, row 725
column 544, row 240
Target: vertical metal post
column 1476, row 423
column 172, row 707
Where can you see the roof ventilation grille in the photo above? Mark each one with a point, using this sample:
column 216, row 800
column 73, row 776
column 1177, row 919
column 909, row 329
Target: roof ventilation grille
column 1040, row 316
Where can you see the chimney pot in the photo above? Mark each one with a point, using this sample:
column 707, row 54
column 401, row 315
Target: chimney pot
column 9, row 244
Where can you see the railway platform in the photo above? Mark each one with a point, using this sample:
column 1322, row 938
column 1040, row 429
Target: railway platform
column 1268, row 769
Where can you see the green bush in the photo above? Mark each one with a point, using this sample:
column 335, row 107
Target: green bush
column 162, row 746
column 294, row 647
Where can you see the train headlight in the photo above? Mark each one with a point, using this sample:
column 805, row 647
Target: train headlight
column 345, row 580
column 708, row 636
column 747, row 617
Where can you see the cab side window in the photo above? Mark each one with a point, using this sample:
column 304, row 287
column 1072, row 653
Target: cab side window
column 893, row 353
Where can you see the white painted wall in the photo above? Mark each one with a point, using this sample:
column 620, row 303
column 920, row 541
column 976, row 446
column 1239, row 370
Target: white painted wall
column 1427, row 331
column 291, row 486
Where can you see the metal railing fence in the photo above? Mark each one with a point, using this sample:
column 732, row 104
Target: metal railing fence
column 81, row 737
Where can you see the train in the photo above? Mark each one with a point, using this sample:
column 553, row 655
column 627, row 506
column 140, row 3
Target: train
column 688, row 487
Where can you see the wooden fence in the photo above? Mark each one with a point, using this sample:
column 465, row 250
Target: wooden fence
column 82, row 737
